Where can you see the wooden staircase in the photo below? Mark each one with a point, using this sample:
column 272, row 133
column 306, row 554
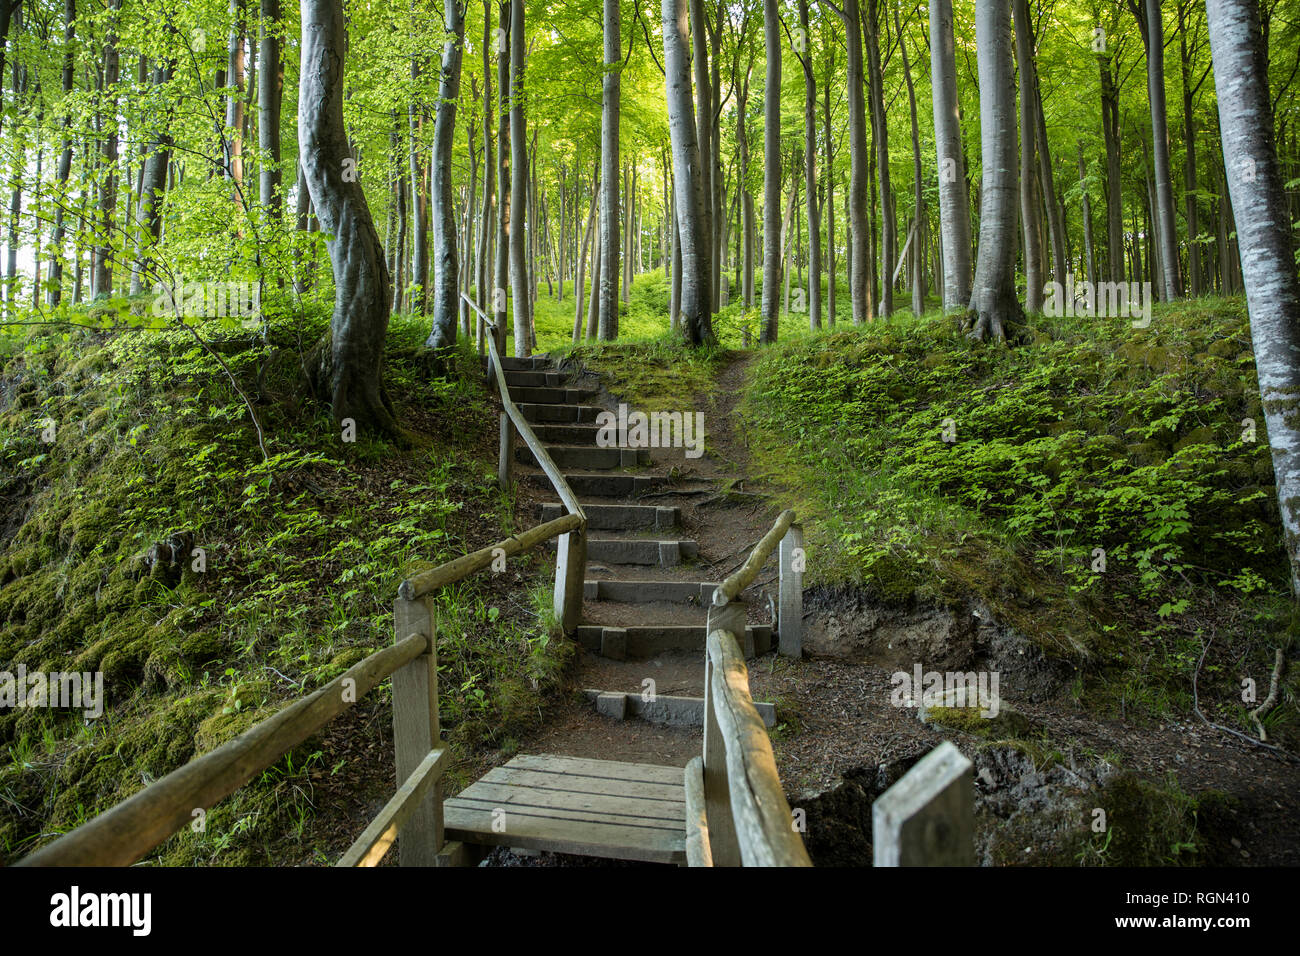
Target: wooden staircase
column 642, row 567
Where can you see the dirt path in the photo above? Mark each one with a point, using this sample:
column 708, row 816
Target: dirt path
column 835, row 720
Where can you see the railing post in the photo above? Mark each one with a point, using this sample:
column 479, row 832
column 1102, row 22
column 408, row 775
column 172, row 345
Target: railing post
column 570, row 570
column 928, row 817
column 506, row 453
column 717, row 791
column 790, row 607
column 416, row 732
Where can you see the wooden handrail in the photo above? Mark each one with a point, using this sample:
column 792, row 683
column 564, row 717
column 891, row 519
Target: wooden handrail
column 375, row 840
column 760, row 813
column 124, row 833
column 731, row 588
column 525, row 427
column 427, row 581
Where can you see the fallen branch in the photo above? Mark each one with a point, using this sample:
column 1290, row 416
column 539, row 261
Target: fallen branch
column 1258, row 714
column 1196, row 707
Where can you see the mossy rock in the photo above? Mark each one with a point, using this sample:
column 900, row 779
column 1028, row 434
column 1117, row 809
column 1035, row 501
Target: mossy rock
column 1007, row 724
column 1204, row 435
column 1146, row 453
column 1223, row 348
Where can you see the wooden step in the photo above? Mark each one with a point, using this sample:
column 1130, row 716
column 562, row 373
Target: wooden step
column 600, row 808
column 551, row 396
column 661, row 553
column 567, row 434
column 534, row 379
column 598, row 485
column 663, row 708
column 634, row 643
column 564, row 414
column 510, row 363
column 620, row 517
column 587, row 457
column 699, row 593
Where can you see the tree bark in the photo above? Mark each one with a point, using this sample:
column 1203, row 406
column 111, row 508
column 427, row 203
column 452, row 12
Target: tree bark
column 55, row 295
column 954, row 200
column 350, row 365
column 880, row 131
column 688, row 177
column 1255, row 181
column 771, row 174
column 918, row 212
column 520, row 295
column 1029, row 208
column 446, row 258
column 1164, row 190
column 609, row 232
column 270, row 95
column 994, row 309
column 810, row 176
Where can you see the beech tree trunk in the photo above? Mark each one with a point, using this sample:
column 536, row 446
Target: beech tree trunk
column 771, row 174
column 880, row 130
column 446, row 258
column 689, row 179
column 609, row 232
column 1029, row 208
column 521, row 299
column 810, row 177
column 994, row 309
column 859, row 226
column 1166, row 237
column 954, row 200
column 64, row 170
column 270, row 93
column 349, row 366
column 1268, row 269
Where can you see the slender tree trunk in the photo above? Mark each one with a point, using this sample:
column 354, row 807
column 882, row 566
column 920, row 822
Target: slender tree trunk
column 1029, row 208
column 856, row 197
column 350, row 361
column 102, row 280
column 481, row 297
column 918, row 212
column 810, row 175
column 446, row 259
column 520, row 296
column 418, row 285
column 609, row 232
column 1164, row 190
column 579, row 288
column 1268, row 268
column 148, row 213
column 689, row 179
column 270, row 95
column 699, row 58
column 55, row 294
column 1191, row 202
column 505, row 202
column 994, row 308
column 771, row 174
column 954, row 201
column 880, row 131
column 1110, row 127
column 1088, row 250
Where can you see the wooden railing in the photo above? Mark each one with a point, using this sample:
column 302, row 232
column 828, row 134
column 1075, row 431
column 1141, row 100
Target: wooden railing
column 127, row 831
column 736, row 811
column 572, row 563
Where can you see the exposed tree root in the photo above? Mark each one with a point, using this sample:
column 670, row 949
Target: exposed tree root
column 1260, row 712
column 995, row 326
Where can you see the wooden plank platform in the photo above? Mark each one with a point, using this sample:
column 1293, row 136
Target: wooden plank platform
column 604, row 808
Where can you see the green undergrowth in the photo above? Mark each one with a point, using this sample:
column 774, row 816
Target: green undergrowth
column 154, row 455
column 1107, row 490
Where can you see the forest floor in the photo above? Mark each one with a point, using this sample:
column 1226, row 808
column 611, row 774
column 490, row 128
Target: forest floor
column 1175, row 791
